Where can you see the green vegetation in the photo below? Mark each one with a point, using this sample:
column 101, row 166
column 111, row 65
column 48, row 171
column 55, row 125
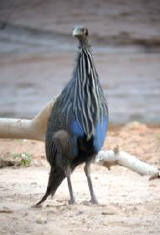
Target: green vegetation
column 24, row 158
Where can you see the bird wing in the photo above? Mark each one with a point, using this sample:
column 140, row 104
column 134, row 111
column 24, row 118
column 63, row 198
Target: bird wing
column 51, row 152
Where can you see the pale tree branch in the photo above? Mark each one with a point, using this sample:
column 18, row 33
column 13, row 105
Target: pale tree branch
column 35, row 129
column 115, row 157
column 26, row 129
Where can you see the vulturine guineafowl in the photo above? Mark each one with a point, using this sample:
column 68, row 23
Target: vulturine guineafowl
column 78, row 122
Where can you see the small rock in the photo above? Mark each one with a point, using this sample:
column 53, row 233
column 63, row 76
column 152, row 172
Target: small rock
column 41, row 220
column 107, row 213
column 79, row 212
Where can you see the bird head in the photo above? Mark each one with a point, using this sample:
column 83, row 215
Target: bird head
column 80, row 32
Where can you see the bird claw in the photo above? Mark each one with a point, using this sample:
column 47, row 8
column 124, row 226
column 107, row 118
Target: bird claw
column 72, row 202
column 94, row 201
column 37, row 206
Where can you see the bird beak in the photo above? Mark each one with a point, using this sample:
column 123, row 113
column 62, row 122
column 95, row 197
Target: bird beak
column 77, row 31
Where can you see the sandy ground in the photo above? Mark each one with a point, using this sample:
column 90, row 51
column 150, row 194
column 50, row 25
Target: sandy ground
column 128, row 203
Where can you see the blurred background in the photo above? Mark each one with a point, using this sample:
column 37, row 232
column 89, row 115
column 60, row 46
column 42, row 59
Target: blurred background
column 37, row 54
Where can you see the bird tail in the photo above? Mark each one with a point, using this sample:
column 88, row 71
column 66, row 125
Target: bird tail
column 56, row 177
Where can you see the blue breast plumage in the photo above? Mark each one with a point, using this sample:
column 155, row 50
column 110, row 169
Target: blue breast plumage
column 98, row 135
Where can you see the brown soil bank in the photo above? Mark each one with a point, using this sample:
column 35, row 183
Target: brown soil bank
column 129, row 203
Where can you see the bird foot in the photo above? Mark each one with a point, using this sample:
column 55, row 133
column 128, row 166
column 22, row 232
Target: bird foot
column 37, row 206
column 94, row 201
column 72, row 202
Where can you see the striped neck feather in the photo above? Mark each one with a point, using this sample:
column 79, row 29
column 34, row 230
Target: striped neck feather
column 85, row 94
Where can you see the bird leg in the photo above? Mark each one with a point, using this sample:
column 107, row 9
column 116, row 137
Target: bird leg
column 68, row 175
column 87, row 172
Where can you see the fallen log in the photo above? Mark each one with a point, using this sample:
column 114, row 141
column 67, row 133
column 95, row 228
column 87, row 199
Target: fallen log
column 115, row 157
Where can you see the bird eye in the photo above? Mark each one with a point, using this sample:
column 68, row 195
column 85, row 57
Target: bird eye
column 86, row 32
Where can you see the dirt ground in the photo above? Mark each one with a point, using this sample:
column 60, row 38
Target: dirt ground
column 128, row 203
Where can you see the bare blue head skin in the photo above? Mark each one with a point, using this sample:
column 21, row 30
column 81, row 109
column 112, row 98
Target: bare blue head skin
column 81, row 33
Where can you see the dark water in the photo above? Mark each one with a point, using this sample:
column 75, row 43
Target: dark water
column 32, row 71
